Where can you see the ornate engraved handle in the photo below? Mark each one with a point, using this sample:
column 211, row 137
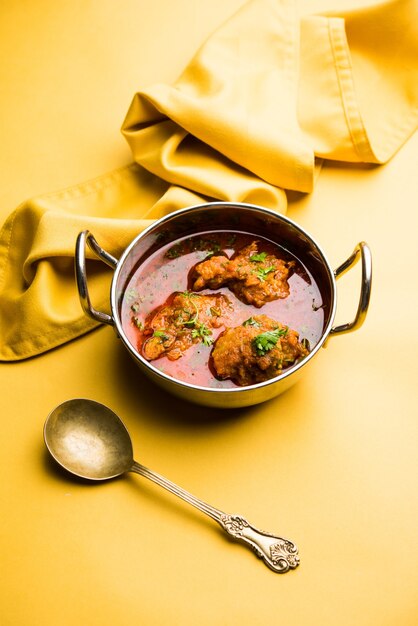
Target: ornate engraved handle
column 278, row 553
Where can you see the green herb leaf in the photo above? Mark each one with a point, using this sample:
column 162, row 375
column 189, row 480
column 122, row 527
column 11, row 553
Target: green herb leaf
column 202, row 332
column 262, row 272
column 258, row 258
column 305, row 343
column 162, row 334
column 131, row 294
column 174, row 252
column 266, row 341
column 251, row 322
column 137, row 322
column 193, row 320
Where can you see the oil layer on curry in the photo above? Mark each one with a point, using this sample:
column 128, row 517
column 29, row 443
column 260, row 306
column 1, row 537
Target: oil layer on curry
column 222, row 309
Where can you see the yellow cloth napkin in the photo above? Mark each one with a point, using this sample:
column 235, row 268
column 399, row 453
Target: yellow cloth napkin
column 270, row 94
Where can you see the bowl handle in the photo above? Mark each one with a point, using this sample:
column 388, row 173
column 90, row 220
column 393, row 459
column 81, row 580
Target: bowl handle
column 362, row 251
column 85, row 237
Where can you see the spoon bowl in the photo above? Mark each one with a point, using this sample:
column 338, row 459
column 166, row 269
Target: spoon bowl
column 89, row 440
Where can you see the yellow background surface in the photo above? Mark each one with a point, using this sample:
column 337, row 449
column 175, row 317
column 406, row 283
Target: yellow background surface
column 332, row 464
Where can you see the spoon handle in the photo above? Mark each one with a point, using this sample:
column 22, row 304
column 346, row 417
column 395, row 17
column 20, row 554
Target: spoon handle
column 177, row 491
column 278, row 553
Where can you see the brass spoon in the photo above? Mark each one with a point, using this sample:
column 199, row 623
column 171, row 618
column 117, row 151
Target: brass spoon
column 90, row 441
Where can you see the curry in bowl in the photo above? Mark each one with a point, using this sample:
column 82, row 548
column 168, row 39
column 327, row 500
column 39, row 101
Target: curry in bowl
column 222, row 309
column 223, row 304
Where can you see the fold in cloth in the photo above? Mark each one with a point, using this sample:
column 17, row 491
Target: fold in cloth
column 270, row 94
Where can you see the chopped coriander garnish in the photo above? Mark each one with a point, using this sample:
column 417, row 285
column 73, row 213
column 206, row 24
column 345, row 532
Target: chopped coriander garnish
column 258, row 258
column 162, row 334
column 135, row 307
column 194, row 319
column 266, row 341
column 137, row 322
column 207, row 244
column 262, row 272
column 199, row 330
column 174, row 252
column 131, row 294
column 202, row 332
column 251, row 322
column 305, row 343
